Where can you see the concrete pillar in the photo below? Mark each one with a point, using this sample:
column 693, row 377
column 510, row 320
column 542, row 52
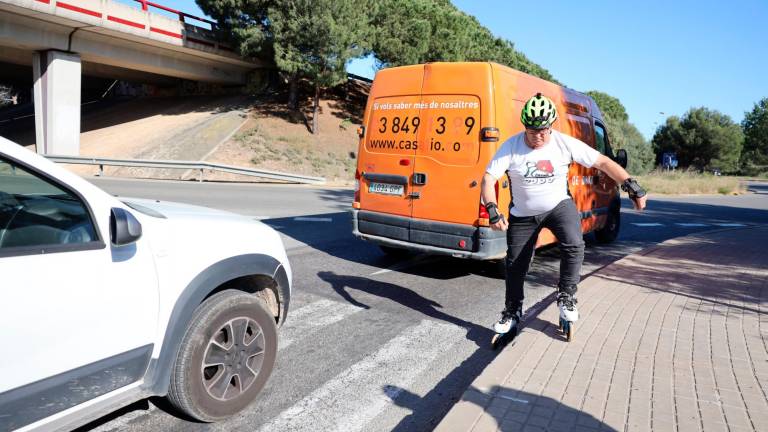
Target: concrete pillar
column 56, row 77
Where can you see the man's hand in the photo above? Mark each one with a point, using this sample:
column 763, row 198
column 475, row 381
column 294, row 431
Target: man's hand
column 501, row 225
column 639, row 203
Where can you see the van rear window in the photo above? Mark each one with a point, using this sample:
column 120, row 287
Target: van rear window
column 445, row 128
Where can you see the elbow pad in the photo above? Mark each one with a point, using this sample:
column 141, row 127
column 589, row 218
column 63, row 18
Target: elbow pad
column 632, row 188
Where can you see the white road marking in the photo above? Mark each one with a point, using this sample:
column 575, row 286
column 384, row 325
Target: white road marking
column 312, row 219
column 308, row 319
column 355, row 397
column 730, row 225
column 261, row 217
column 691, row 224
column 647, row 224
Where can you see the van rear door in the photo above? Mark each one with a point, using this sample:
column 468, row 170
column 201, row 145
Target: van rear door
column 456, row 104
column 387, row 155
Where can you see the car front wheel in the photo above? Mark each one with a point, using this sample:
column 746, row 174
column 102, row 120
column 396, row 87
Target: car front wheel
column 225, row 358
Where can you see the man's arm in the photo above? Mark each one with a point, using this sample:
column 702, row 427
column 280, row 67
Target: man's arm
column 488, row 195
column 619, row 175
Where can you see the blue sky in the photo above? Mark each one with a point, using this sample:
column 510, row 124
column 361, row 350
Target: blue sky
column 655, row 56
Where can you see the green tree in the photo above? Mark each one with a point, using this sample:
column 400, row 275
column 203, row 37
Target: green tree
column 624, row 135
column 609, row 105
column 419, row 31
column 402, row 37
column 315, row 39
column 702, row 139
column 755, row 126
column 243, row 21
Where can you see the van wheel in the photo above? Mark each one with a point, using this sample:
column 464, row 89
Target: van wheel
column 394, row 252
column 610, row 231
column 225, row 358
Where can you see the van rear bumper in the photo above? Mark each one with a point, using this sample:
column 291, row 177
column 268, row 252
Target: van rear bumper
column 418, row 235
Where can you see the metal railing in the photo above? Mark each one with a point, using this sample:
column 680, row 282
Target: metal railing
column 145, row 5
column 188, row 165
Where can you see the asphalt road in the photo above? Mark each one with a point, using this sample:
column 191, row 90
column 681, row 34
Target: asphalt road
column 378, row 343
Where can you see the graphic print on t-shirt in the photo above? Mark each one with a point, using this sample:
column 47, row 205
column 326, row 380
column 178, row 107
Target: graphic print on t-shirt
column 539, row 172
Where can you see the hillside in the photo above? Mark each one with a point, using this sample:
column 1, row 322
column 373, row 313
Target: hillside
column 276, row 138
column 233, row 130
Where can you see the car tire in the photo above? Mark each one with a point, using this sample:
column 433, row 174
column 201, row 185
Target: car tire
column 610, row 231
column 225, row 357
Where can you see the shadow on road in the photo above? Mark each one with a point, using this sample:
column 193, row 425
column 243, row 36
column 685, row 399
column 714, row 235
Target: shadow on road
column 343, row 284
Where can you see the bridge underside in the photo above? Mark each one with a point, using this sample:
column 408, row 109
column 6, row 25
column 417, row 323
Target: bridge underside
column 59, row 50
column 20, row 35
column 16, row 67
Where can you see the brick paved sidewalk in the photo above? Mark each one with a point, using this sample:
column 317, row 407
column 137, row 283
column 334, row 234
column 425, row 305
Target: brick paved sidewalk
column 673, row 338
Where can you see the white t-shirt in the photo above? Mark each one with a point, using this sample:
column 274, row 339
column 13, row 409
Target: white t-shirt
column 539, row 178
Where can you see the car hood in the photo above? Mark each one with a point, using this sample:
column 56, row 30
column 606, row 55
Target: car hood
column 184, row 229
column 176, row 210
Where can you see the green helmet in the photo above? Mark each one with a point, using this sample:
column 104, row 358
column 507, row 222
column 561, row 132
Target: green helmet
column 538, row 113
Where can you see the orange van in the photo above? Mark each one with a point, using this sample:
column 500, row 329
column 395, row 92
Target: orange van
column 428, row 133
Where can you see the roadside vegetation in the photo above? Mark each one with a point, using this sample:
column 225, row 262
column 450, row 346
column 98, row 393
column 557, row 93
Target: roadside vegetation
column 690, row 182
column 312, row 40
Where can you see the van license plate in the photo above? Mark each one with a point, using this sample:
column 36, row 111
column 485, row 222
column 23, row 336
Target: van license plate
column 385, row 188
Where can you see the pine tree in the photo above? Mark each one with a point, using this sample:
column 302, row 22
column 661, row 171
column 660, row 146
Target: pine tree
column 315, row 39
column 755, row 127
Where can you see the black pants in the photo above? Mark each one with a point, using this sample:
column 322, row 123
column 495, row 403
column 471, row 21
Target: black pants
column 565, row 222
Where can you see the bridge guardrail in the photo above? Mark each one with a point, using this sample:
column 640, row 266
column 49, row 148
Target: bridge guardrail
column 188, row 165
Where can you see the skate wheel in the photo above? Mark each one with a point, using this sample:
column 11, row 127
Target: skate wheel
column 496, row 341
column 568, row 330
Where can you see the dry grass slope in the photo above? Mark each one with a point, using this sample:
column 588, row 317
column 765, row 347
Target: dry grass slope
column 278, row 139
column 685, row 182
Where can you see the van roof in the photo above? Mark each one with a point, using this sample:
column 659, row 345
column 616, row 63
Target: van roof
column 574, row 100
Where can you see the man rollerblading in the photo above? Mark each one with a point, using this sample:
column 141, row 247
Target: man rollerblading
column 537, row 163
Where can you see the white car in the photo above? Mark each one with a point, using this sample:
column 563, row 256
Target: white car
column 106, row 301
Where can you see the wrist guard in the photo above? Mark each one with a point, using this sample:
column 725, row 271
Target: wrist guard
column 632, row 188
column 493, row 212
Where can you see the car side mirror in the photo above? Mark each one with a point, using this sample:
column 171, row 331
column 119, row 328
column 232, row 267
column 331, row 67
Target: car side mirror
column 621, row 158
column 124, row 228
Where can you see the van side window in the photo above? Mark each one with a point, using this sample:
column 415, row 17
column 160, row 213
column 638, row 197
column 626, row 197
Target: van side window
column 601, row 140
column 36, row 212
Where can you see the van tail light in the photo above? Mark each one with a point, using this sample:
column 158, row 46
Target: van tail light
column 489, row 134
column 482, row 216
column 482, row 213
column 356, row 201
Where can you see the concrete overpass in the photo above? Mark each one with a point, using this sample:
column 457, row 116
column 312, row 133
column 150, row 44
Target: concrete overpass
column 63, row 39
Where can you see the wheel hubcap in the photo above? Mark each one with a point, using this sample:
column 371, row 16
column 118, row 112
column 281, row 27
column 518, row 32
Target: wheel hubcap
column 233, row 358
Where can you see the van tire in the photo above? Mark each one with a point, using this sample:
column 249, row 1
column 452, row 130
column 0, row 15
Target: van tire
column 610, row 231
column 215, row 322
